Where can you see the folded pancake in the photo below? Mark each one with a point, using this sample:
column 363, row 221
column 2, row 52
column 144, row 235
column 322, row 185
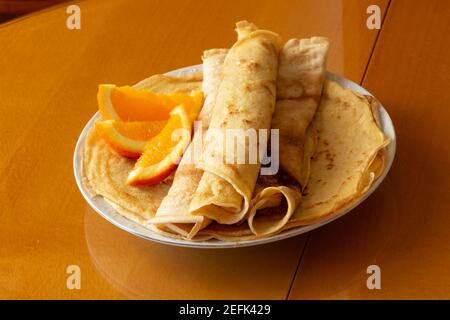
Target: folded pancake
column 104, row 171
column 301, row 75
column 241, row 231
column 173, row 212
column 245, row 102
column 348, row 156
column 161, row 83
column 275, row 201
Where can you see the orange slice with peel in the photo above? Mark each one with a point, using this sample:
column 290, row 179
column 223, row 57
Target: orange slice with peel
column 192, row 103
column 128, row 138
column 163, row 152
column 129, row 104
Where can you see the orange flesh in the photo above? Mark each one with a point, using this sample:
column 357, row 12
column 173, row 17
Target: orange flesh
column 138, row 105
column 192, row 104
column 142, row 130
column 161, row 145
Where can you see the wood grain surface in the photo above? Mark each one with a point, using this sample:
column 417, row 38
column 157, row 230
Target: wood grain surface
column 404, row 226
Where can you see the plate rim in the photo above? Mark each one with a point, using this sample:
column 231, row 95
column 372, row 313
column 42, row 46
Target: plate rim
column 96, row 202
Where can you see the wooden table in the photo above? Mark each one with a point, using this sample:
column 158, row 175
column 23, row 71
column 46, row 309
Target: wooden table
column 48, row 83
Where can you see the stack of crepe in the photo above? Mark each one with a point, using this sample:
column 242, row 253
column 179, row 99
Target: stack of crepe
column 330, row 146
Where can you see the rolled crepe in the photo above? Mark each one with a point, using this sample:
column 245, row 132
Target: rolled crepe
column 276, row 199
column 174, row 209
column 300, row 79
column 299, row 88
column 348, row 158
column 246, row 100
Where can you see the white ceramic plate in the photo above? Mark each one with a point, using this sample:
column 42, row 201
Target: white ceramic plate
column 110, row 214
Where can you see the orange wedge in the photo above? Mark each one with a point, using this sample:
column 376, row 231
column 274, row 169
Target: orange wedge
column 192, row 103
column 130, row 104
column 128, row 138
column 163, row 151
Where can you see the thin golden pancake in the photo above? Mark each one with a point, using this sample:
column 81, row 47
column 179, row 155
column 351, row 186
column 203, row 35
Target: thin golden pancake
column 174, row 210
column 105, row 173
column 347, row 157
column 301, row 75
column 161, row 83
column 245, row 101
